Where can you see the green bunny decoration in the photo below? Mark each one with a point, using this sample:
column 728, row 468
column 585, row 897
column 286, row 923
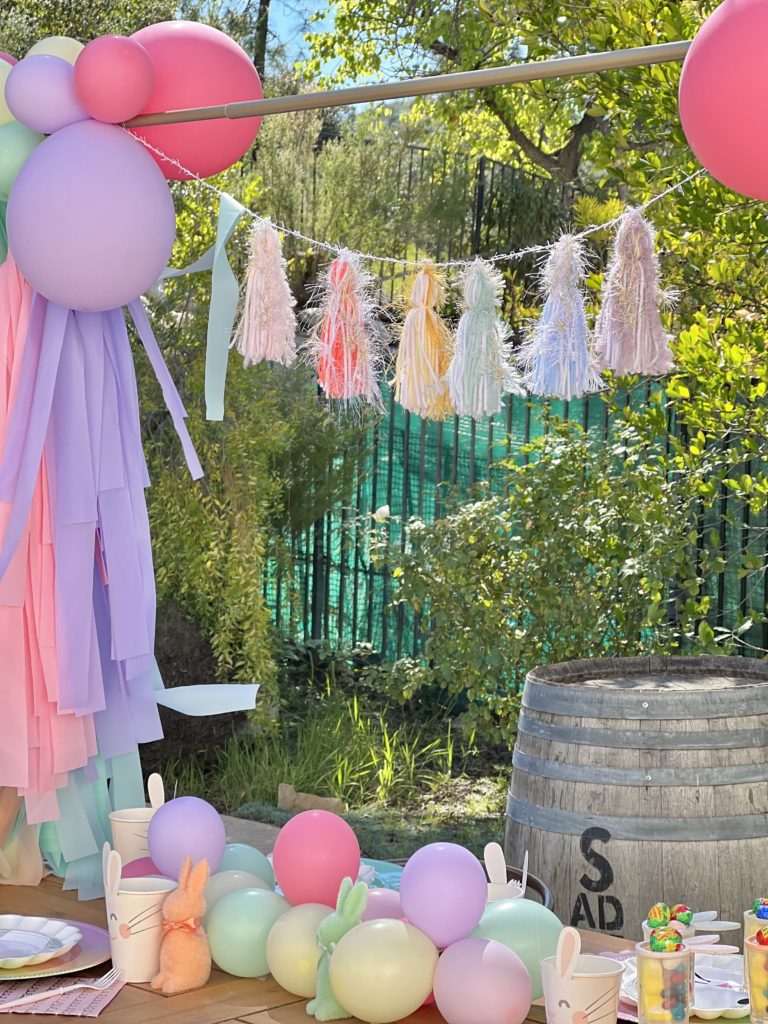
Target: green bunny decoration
column 349, row 909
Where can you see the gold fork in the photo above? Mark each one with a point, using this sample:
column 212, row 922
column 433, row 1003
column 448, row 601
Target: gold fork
column 107, row 981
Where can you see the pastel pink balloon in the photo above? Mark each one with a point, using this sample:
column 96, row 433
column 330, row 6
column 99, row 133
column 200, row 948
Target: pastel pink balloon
column 7, row 57
column 383, row 903
column 141, row 868
column 114, row 78
column 198, row 66
column 314, row 852
column 481, row 981
column 724, row 95
column 91, row 221
column 444, row 891
column 40, row 94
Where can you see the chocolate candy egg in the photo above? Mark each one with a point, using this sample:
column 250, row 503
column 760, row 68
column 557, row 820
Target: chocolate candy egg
column 761, row 936
column 681, row 913
column 658, row 915
column 760, row 908
column 665, row 940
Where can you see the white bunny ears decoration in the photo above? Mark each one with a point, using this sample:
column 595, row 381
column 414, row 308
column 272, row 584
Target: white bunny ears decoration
column 496, row 869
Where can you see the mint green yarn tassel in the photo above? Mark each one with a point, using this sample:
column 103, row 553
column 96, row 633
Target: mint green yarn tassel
column 480, row 373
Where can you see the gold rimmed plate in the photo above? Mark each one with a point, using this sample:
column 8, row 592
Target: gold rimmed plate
column 90, row 951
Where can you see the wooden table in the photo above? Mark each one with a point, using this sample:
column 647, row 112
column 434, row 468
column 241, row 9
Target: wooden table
column 224, row 1000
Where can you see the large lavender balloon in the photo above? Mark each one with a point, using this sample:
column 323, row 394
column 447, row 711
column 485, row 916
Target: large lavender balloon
column 90, row 219
column 443, row 891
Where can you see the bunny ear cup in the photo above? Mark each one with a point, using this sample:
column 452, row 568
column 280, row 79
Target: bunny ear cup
column 568, row 950
column 113, row 869
column 495, row 864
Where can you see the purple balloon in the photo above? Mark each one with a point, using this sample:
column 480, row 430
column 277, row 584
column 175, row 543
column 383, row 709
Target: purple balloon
column 40, row 93
column 185, row 827
column 383, row 903
column 444, row 891
column 90, row 218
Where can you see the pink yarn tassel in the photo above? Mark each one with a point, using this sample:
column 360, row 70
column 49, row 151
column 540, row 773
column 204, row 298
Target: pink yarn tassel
column 267, row 329
column 630, row 336
column 346, row 341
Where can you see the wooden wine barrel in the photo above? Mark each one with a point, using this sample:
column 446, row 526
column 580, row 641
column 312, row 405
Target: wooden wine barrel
column 643, row 779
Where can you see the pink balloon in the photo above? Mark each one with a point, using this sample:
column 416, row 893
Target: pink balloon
column 383, row 903
column 481, row 981
column 444, row 891
column 313, row 853
column 141, row 868
column 114, row 78
column 198, row 66
column 724, row 96
column 40, row 94
column 90, row 218
column 7, row 57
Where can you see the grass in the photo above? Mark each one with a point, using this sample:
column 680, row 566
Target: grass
column 465, row 811
column 334, row 750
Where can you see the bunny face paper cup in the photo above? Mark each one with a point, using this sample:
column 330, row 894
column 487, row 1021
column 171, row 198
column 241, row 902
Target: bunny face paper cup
column 580, row 988
column 134, row 919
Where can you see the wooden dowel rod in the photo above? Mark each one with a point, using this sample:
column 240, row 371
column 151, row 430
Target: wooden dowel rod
column 486, row 78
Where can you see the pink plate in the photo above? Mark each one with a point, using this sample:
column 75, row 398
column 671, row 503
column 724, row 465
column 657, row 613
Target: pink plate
column 91, row 950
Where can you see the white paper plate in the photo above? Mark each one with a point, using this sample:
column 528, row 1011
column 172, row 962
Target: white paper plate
column 33, row 940
column 718, row 988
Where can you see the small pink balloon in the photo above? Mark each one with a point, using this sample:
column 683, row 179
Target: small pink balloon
column 444, row 891
column 482, row 980
column 383, row 903
column 141, row 868
column 40, row 94
column 724, row 96
column 7, row 57
column 314, row 852
column 114, row 78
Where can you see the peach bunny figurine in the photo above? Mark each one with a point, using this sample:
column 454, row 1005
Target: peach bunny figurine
column 592, row 997
column 185, row 959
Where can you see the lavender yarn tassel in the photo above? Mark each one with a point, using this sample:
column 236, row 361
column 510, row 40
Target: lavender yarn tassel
column 629, row 333
column 480, row 373
column 556, row 358
column 267, row 329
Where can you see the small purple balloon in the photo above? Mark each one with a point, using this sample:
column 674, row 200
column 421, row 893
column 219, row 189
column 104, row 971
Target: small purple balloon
column 90, row 218
column 40, row 93
column 186, row 827
column 444, row 891
column 383, row 903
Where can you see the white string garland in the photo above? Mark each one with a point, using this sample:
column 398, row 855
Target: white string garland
column 335, row 250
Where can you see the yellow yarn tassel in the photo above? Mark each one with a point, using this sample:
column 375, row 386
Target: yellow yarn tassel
column 425, row 351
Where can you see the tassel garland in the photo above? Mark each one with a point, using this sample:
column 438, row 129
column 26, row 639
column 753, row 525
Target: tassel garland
column 556, row 358
column 267, row 328
column 629, row 333
column 424, row 355
column 480, row 373
column 346, row 342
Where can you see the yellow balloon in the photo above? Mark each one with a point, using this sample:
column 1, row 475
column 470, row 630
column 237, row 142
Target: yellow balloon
column 58, row 46
column 292, row 949
column 382, row 971
column 5, row 114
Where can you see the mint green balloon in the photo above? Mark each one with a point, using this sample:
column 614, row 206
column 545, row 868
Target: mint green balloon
column 525, row 927
column 241, row 857
column 16, row 144
column 239, row 927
